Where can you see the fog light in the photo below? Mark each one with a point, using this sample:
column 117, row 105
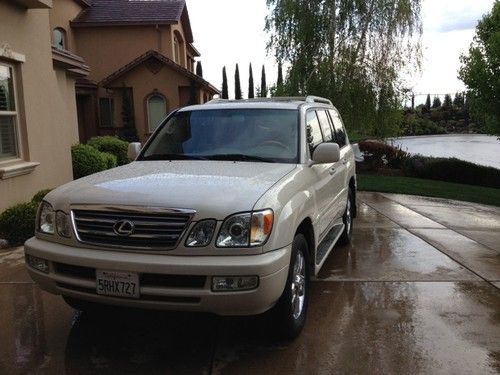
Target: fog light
column 39, row 264
column 234, row 283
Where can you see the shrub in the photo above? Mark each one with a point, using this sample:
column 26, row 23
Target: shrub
column 378, row 154
column 17, row 223
column 112, row 145
column 87, row 160
column 38, row 197
column 110, row 160
column 451, row 170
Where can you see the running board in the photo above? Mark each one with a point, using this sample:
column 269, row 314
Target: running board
column 327, row 244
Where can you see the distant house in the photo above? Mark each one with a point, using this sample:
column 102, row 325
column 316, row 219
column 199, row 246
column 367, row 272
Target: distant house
column 38, row 121
column 142, row 62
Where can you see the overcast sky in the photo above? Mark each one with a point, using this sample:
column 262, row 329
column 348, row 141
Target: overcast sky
column 227, row 32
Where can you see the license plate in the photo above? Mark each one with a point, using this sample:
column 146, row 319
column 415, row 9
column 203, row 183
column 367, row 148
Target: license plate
column 117, row 284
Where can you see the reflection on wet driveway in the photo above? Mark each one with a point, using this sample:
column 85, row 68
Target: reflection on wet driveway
column 405, row 297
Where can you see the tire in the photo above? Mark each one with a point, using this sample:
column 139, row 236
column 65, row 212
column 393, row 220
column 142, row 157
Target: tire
column 348, row 219
column 289, row 314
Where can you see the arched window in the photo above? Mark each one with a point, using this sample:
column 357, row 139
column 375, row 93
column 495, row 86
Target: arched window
column 177, row 50
column 157, row 110
column 59, row 38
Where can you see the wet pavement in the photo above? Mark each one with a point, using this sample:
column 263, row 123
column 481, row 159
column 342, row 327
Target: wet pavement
column 417, row 291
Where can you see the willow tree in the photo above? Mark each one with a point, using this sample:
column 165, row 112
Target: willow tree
column 351, row 51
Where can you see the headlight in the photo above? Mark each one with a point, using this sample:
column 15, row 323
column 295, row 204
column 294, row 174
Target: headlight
column 247, row 229
column 63, row 224
column 201, row 234
column 46, row 218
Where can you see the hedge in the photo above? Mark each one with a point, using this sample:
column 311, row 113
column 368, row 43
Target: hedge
column 451, row 170
column 88, row 160
column 17, row 223
column 112, row 145
column 38, row 197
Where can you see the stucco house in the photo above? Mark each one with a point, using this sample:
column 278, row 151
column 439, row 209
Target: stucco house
column 38, row 121
column 142, row 63
column 73, row 69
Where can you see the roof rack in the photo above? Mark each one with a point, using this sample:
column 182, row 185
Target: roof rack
column 318, row 99
column 307, row 99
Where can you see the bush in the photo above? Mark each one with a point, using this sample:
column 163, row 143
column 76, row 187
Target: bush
column 110, row 160
column 17, row 223
column 112, row 145
column 417, row 125
column 38, row 197
column 451, row 170
column 379, row 154
column 87, row 160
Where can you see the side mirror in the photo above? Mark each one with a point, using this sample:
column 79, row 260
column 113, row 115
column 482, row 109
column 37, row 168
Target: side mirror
column 326, row 153
column 133, row 151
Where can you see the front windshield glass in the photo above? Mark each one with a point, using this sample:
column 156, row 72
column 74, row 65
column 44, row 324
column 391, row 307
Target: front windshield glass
column 268, row 135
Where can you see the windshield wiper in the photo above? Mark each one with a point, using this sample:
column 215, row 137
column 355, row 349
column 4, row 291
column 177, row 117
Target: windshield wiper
column 172, row 157
column 239, row 157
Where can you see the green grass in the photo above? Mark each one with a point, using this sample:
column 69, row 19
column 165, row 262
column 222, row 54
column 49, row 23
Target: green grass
column 429, row 188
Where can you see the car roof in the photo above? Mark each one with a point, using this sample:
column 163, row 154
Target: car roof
column 291, row 103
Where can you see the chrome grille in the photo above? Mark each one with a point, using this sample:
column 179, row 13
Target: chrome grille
column 159, row 229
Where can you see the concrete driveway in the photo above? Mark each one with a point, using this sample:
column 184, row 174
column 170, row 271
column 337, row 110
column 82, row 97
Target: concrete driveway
column 418, row 291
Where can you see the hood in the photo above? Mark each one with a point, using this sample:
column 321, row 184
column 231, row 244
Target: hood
column 215, row 189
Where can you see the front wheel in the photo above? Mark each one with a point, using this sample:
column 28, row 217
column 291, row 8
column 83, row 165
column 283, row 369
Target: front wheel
column 348, row 218
column 290, row 311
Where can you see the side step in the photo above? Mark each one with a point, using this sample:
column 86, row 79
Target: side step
column 327, row 244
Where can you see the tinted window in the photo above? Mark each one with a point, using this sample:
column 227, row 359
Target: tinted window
column 228, row 134
column 340, row 134
column 325, row 126
column 314, row 136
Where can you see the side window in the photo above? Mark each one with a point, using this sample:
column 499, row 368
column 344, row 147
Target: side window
column 106, row 109
column 325, row 126
column 313, row 129
column 340, row 134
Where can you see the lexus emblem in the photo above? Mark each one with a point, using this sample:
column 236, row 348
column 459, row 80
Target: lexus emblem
column 124, row 228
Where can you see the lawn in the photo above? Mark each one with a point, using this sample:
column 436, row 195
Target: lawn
column 429, row 188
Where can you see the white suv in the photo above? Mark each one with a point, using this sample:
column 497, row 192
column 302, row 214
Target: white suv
column 229, row 208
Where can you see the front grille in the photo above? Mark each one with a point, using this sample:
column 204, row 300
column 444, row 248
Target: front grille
column 169, row 299
column 146, row 279
column 158, row 231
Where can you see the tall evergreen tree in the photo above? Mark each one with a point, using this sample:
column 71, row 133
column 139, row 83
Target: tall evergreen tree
column 279, row 82
column 447, row 101
column 459, row 100
column 237, row 84
column 251, row 89
column 225, row 94
column 129, row 131
column 263, row 84
column 436, row 103
column 199, row 69
column 428, row 102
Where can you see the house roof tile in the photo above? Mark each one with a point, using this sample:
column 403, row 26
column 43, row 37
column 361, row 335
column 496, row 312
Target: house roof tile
column 131, row 11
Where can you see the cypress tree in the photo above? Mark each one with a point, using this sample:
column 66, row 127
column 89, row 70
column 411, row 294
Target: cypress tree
column 428, row 102
column 237, row 84
column 251, row 89
column 436, row 103
column 279, row 83
column 447, row 101
column 263, row 85
column 225, row 94
column 199, row 69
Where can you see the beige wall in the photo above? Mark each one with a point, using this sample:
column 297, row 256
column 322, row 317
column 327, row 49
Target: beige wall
column 49, row 105
column 166, row 82
column 107, row 49
column 60, row 16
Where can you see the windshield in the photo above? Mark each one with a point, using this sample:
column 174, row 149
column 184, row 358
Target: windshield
column 267, row 135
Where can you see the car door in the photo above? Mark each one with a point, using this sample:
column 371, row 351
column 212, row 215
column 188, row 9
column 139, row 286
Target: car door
column 325, row 174
column 346, row 159
column 336, row 175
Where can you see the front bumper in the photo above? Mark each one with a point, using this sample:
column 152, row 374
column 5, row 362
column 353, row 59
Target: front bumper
column 72, row 273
